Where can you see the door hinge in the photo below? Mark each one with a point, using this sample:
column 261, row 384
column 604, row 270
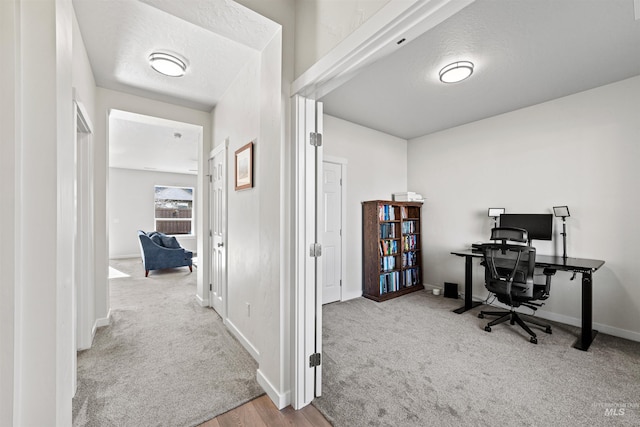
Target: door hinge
column 210, row 287
column 314, row 360
column 315, row 139
column 315, row 250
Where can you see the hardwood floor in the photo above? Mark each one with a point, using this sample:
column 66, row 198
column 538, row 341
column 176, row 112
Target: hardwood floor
column 261, row 412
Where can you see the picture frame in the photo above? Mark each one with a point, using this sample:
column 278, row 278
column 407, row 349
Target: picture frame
column 244, row 167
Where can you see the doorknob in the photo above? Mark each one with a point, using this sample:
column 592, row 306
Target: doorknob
column 220, row 245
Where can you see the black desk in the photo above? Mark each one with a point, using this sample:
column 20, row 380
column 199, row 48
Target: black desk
column 577, row 265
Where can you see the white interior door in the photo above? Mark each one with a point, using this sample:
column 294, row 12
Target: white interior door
column 308, row 239
column 218, row 230
column 332, row 232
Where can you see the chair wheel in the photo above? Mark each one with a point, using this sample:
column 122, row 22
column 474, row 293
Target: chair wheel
column 487, row 328
column 548, row 329
column 481, row 316
column 533, row 340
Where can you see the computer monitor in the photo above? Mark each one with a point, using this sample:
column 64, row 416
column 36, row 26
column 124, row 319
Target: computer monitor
column 538, row 226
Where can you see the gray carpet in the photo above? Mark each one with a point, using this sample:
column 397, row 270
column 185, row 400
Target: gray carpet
column 164, row 360
column 412, row 362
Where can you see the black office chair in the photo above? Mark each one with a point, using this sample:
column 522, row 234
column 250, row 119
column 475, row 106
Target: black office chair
column 509, row 274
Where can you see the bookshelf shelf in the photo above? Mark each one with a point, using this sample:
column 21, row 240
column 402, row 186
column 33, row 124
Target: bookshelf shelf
column 392, row 264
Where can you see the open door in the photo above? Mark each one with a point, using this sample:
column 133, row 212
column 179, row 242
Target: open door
column 218, row 229
column 308, row 252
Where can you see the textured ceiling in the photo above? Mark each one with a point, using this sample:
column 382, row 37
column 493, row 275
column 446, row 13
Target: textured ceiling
column 148, row 143
column 525, row 52
column 216, row 37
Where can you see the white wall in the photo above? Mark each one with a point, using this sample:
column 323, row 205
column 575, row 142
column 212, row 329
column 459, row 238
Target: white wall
column 82, row 75
column 38, row 149
column 253, row 110
column 236, row 119
column 131, row 207
column 376, row 169
column 322, row 24
column 9, row 178
column 581, row 151
column 84, row 94
column 274, row 178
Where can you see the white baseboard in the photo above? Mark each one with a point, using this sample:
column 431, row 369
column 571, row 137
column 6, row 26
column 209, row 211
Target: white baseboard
column 577, row 322
column 103, row 321
column 346, row 296
column 243, row 340
column 136, row 255
column 201, row 302
column 605, row 329
column 281, row 400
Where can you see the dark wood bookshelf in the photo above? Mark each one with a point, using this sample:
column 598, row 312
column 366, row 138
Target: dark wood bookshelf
column 391, row 249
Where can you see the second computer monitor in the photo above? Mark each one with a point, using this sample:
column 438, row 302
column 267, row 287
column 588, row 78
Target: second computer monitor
column 538, row 226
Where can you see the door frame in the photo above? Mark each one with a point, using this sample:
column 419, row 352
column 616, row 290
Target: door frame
column 342, row 162
column 221, row 148
column 83, row 243
column 375, row 39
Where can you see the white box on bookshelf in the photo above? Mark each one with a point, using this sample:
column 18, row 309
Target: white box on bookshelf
column 408, row 196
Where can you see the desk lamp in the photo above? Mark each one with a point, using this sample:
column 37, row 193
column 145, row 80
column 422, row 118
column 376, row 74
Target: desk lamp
column 495, row 213
column 563, row 212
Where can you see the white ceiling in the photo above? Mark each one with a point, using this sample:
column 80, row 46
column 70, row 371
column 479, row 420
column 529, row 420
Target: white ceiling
column 525, row 53
column 153, row 144
column 216, row 37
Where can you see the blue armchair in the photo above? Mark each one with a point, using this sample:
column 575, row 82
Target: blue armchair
column 160, row 251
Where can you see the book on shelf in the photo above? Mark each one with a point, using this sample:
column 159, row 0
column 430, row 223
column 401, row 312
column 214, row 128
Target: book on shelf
column 388, row 247
column 412, row 277
column 386, row 213
column 389, row 282
column 388, row 263
column 409, row 259
column 408, row 227
column 410, row 242
column 387, row 231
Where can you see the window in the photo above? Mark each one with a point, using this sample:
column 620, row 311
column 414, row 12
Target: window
column 174, row 209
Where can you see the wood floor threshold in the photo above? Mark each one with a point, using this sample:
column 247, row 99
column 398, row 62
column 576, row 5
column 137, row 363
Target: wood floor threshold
column 261, row 412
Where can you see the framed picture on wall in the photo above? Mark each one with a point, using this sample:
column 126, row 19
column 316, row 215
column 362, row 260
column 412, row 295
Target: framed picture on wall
column 244, row 167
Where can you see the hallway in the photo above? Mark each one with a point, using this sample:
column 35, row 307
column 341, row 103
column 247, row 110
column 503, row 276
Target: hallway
column 164, row 360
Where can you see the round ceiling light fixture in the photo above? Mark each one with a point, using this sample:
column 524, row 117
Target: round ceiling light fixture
column 456, row 72
column 167, row 64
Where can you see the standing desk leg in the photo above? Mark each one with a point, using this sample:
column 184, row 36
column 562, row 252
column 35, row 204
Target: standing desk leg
column 588, row 334
column 468, row 287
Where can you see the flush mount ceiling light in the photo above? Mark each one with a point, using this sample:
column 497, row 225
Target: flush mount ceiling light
column 456, row 72
column 167, row 64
